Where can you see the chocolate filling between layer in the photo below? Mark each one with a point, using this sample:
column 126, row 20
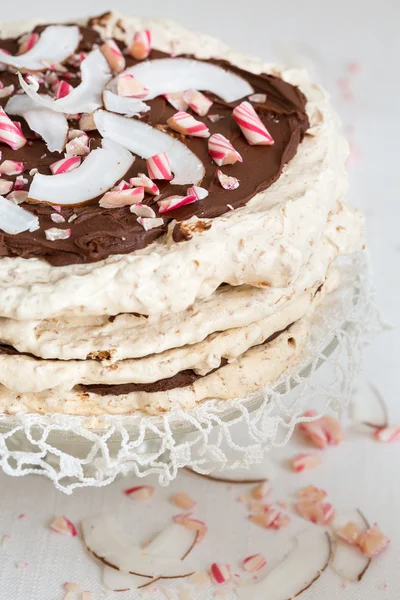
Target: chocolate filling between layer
column 98, row 233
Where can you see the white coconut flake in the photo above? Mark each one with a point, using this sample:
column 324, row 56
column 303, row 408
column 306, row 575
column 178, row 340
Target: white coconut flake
column 51, row 126
column 130, row 107
column 14, row 219
column 86, row 97
column 98, row 173
column 165, row 76
column 146, row 141
column 55, row 45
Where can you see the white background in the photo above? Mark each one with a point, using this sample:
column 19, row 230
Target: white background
column 325, row 37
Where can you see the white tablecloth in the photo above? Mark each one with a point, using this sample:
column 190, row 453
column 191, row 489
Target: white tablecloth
column 325, row 38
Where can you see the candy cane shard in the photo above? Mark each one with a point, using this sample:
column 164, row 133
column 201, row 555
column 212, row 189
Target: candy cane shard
column 151, row 223
column 118, row 199
column 85, row 98
column 129, row 87
column 305, row 462
column 254, row 563
column 220, row 572
column 177, row 100
column 10, row 132
column 27, row 41
column 140, row 47
column 158, row 166
column 107, row 543
column 142, row 210
column 99, row 172
column 170, row 75
column 251, row 125
column 174, row 202
column 298, row 571
column 387, row 435
column 62, row 89
column 55, row 45
column 347, row 560
column 14, row 219
column 221, row 150
column 198, row 102
column 228, row 182
column 186, row 124
column 143, row 181
column 65, row 165
column 11, row 167
column 5, row 186
column 197, row 191
column 113, row 55
column 53, row 234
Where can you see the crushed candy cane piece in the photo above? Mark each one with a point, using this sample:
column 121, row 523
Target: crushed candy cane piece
column 5, row 186
column 7, row 91
column 198, row 102
column 143, row 181
column 71, row 586
column 129, row 87
column 183, row 500
column 333, row 429
column 65, row 165
column 6, row 538
column 62, row 90
column 387, row 435
column 187, row 125
column 373, row 542
column 20, row 182
column 251, row 125
column 176, row 100
column 57, row 218
column 258, row 98
column 86, row 122
column 193, row 524
column 253, row 564
column 27, row 41
column 11, row 167
column 52, row 235
column 142, row 210
column 228, row 182
column 350, row 533
column 322, row 432
column 305, row 462
column 215, row 118
column 113, row 55
column 281, row 521
column 18, row 196
column 10, row 132
column 158, row 166
column 261, row 490
column 318, row 512
column 266, row 518
column 123, row 185
column 174, row 202
column 22, row 565
column 148, row 224
column 220, row 572
column 312, row 494
column 140, row 47
column 140, row 492
column 221, row 150
column 197, row 191
column 78, row 146
column 120, row 198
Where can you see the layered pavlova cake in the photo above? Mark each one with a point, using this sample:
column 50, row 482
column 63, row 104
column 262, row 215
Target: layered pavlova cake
column 169, row 215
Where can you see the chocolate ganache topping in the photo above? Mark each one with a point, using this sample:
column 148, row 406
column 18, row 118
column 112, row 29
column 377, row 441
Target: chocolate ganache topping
column 96, row 232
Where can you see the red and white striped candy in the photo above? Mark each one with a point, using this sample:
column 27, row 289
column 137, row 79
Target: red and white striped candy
column 198, row 102
column 373, row 542
column 251, row 125
column 197, row 191
column 312, row 494
column 142, row 210
column 174, row 202
column 281, row 521
column 65, row 165
column 305, row 462
column 253, row 564
column 158, row 166
column 62, row 90
column 113, row 56
column 193, row 525
column 140, row 47
column 5, row 187
column 143, row 181
column 151, row 223
column 322, row 432
column 120, row 198
column 129, row 87
column 186, row 124
column 176, row 100
column 261, row 490
column 78, row 146
column 319, row 513
column 140, row 492
column 11, row 167
column 350, row 533
column 123, row 185
column 227, row 182
column 63, row 525
column 333, row 429
column 20, row 182
column 10, row 132
column 27, row 41
column 221, row 150
column 220, row 572
column 387, row 435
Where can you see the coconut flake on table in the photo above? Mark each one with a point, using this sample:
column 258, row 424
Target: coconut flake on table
column 99, row 172
column 257, row 473
column 85, row 98
column 14, row 219
column 170, row 75
column 299, row 570
column 55, row 45
column 146, row 141
column 108, row 543
column 51, row 126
